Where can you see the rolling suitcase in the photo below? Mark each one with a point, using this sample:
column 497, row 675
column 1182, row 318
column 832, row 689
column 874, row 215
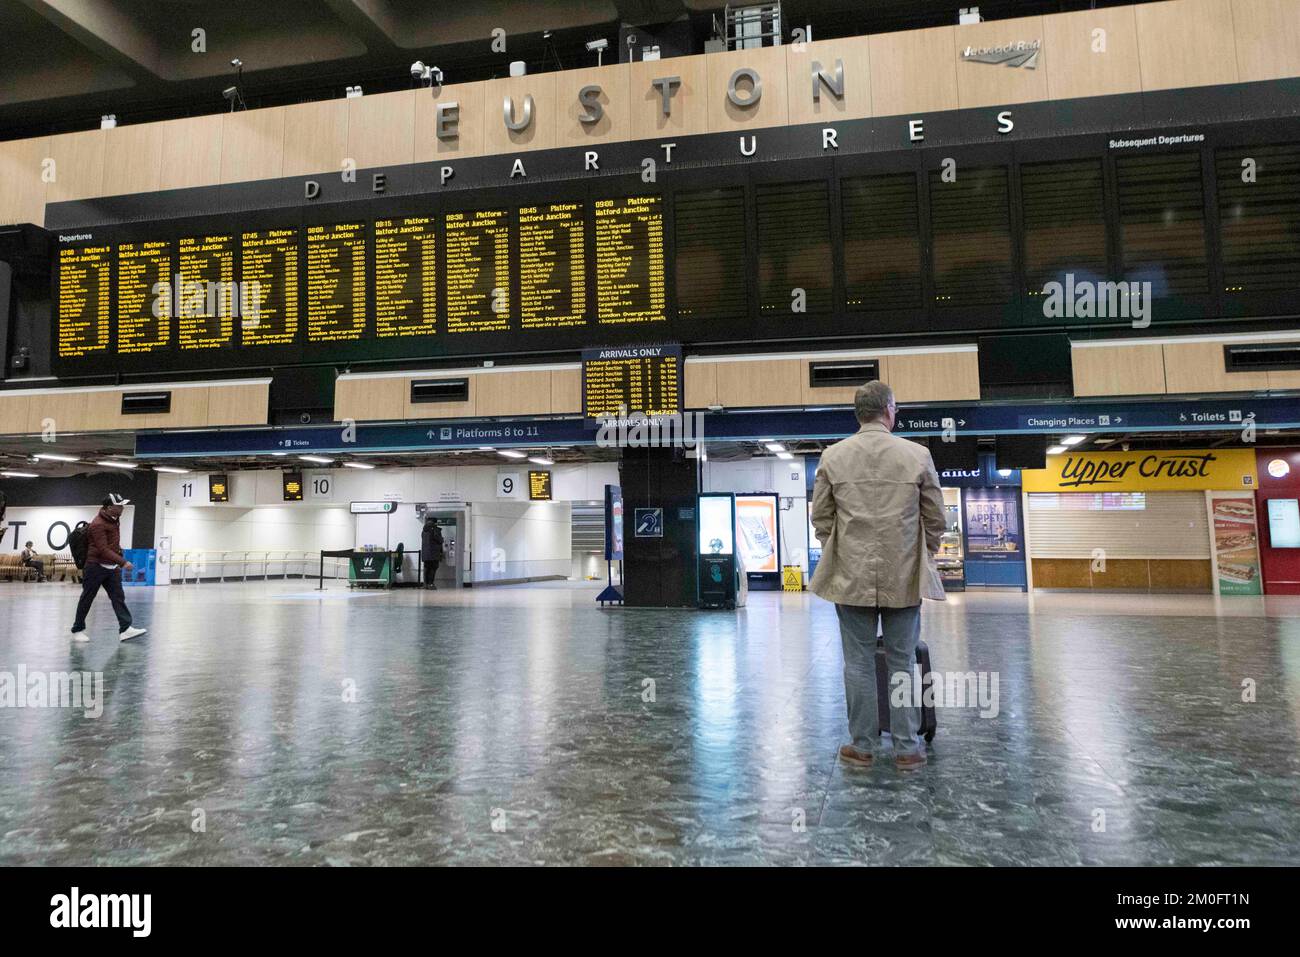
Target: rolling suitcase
column 928, row 719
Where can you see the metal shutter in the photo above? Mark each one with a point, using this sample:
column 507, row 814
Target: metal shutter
column 1171, row 526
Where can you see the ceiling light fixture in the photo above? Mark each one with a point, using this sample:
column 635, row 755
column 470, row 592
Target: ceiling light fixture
column 319, row 460
column 357, row 465
column 1073, row 439
column 541, row 460
column 117, row 465
column 19, row 474
column 774, row 446
column 1056, row 450
column 51, row 457
column 171, row 470
column 512, row 454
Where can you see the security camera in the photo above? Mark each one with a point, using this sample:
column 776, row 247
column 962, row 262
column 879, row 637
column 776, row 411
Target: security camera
column 236, row 63
column 594, row 45
column 230, row 92
column 417, row 69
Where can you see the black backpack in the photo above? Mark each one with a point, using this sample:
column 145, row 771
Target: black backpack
column 79, row 544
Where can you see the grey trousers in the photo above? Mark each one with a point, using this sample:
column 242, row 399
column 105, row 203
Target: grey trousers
column 902, row 630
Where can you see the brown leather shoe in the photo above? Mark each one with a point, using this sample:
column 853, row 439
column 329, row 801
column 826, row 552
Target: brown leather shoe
column 853, row 755
column 910, row 762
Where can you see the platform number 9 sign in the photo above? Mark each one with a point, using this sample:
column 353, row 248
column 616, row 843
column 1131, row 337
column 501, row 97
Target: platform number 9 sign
column 509, row 485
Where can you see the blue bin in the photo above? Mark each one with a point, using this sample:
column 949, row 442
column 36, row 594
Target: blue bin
column 145, row 562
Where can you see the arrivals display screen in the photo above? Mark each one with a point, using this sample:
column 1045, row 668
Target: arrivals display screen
column 644, row 379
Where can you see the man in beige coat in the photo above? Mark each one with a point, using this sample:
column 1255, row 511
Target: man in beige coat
column 878, row 513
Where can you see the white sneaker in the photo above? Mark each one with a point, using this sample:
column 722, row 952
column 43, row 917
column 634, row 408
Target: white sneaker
column 80, row 636
column 131, row 633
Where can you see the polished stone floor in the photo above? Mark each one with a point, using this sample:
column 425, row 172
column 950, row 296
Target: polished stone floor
column 511, row 726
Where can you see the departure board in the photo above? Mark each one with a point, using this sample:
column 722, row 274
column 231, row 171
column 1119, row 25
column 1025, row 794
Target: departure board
column 268, row 264
column 539, row 486
column 85, row 301
column 645, row 379
column 206, row 298
column 478, row 271
column 406, row 277
column 144, row 297
column 552, row 266
column 630, row 260
column 336, row 282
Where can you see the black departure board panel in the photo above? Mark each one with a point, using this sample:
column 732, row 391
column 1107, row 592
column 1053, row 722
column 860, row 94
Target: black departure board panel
column 336, row 282
column 644, row 379
column 882, row 242
column 84, row 301
column 478, row 271
column 406, row 277
column 552, row 266
column 630, row 260
column 269, row 287
column 711, row 256
column 795, row 262
column 144, row 296
column 205, row 267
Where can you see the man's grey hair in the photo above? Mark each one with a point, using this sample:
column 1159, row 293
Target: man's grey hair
column 871, row 401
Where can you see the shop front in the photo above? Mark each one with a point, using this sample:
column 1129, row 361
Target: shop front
column 1278, row 506
column 984, row 545
column 1149, row 520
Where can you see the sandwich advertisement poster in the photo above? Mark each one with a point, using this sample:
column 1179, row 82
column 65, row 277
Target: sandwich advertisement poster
column 1236, row 544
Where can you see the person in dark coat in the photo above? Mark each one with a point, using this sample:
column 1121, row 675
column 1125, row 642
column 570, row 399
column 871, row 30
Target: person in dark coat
column 104, row 566
column 431, row 550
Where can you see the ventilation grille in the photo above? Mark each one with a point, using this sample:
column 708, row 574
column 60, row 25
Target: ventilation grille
column 882, row 242
column 1162, row 222
column 439, row 390
column 972, row 238
column 1259, row 357
column 838, row 375
column 588, row 527
column 146, row 403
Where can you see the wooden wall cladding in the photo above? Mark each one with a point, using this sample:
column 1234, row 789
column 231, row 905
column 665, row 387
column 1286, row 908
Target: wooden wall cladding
column 22, row 190
column 1119, row 370
column 1182, row 43
column 1091, row 53
column 1152, row 46
column 759, row 383
column 935, row 376
column 1184, row 576
column 100, row 410
column 1267, row 34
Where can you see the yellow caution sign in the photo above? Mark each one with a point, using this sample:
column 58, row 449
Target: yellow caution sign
column 791, row 578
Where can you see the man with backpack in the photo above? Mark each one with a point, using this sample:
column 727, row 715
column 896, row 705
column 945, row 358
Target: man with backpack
column 97, row 548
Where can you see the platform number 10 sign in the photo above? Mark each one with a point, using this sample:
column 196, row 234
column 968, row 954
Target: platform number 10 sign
column 318, row 487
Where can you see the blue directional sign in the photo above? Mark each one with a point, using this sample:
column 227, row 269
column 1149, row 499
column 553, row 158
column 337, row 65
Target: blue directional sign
column 1190, row 415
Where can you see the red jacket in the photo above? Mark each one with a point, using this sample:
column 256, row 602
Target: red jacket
column 104, row 541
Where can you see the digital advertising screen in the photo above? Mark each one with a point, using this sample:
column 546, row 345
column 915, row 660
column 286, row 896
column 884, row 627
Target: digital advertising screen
column 1284, row 522
column 992, row 523
column 716, row 525
column 218, row 489
column 758, row 537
